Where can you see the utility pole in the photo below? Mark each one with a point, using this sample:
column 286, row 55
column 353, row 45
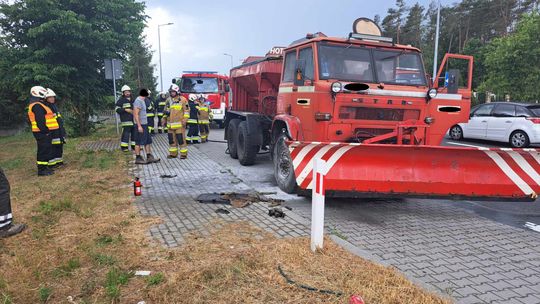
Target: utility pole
column 232, row 64
column 159, row 46
column 436, row 43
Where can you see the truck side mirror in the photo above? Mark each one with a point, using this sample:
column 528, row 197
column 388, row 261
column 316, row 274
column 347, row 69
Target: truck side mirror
column 227, row 87
column 452, row 81
column 299, row 72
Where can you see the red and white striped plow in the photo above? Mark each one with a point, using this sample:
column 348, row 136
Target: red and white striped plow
column 426, row 171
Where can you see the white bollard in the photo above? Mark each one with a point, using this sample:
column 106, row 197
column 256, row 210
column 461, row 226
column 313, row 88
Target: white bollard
column 317, row 204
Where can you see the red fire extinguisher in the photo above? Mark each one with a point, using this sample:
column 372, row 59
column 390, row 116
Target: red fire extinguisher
column 137, row 187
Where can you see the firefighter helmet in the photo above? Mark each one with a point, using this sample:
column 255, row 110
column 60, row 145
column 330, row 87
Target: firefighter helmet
column 174, row 88
column 38, row 91
column 50, row 93
column 192, row 97
column 125, row 88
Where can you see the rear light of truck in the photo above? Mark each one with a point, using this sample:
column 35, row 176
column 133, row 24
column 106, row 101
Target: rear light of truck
column 323, row 116
column 534, row 120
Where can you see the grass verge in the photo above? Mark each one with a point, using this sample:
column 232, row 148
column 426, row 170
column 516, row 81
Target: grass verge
column 86, row 240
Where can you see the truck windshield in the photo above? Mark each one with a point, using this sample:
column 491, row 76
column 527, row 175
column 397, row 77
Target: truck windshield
column 352, row 63
column 199, row 85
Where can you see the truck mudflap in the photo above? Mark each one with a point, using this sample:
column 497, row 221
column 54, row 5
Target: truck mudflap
column 378, row 170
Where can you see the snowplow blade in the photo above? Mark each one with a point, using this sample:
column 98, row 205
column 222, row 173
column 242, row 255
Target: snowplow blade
column 370, row 170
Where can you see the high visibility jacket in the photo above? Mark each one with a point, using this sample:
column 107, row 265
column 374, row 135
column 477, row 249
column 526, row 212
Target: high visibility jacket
column 176, row 111
column 42, row 119
column 122, row 104
column 193, row 113
column 204, row 114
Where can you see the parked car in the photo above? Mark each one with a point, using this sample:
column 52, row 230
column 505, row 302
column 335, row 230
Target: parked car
column 513, row 122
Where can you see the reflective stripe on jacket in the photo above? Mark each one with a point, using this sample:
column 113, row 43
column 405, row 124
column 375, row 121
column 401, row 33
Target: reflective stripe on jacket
column 50, row 120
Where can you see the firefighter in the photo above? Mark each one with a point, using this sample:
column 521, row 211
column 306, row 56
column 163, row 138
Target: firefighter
column 150, row 112
column 204, row 119
column 175, row 116
column 124, row 107
column 193, row 121
column 43, row 124
column 160, row 106
column 7, row 228
column 58, row 136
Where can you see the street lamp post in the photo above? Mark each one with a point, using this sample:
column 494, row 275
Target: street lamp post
column 436, row 44
column 159, row 45
column 232, row 64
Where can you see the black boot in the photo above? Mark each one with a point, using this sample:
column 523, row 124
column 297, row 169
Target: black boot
column 44, row 171
column 11, row 230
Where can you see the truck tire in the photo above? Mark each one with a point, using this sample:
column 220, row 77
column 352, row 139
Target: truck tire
column 232, row 135
column 283, row 166
column 247, row 152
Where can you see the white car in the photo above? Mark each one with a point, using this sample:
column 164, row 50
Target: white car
column 515, row 123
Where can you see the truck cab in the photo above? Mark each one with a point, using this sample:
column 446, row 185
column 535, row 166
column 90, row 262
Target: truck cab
column 364, row 89
column 212, row 86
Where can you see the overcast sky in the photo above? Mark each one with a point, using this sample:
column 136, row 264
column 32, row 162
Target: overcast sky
column 204, row 30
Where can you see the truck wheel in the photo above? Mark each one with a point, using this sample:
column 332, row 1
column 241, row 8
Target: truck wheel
column 247, row 152
column 283, row 167
column 232, row 134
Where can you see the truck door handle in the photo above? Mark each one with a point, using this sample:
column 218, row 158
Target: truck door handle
column 484, row 120
column 508, row 121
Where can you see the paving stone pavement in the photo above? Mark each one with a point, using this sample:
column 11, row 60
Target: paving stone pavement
column 173, row 199
column 446, row 248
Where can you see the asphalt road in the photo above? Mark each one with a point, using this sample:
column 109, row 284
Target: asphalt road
column 525, row 215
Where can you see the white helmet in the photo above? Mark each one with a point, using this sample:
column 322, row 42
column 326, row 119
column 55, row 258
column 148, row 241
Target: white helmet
column 38, row 91
column 174, row 88
column 192, row 97
column 50, row 93
column 126, row 88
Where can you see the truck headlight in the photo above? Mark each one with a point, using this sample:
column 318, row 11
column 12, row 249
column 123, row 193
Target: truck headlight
column 337, row 87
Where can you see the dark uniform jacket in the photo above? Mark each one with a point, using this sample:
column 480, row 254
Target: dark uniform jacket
column 122, row 104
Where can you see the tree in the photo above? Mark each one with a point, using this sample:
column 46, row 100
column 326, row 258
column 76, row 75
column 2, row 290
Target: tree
column 392, row 23
column 139, row 70
column 61, row 44
column 512, row 62
column 412, row 30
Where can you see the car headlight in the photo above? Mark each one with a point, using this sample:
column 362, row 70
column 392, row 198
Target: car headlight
column 432, row 93
column 337, row 87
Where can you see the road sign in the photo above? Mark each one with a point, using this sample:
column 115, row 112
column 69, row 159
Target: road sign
column 113, row 68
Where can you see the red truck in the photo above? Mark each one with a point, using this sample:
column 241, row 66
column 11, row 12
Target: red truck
column 365, row 105
column 214, row 87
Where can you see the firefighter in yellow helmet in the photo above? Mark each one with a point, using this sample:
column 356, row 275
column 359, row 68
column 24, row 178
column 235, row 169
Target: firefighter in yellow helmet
column 43, row 123
column 175, row 116
column 58, row 136
column 204, row 119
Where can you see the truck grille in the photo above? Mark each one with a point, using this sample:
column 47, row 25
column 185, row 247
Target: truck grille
column 365, row 113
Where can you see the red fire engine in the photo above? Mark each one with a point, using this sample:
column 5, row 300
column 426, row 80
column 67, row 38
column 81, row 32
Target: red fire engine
column 365, row 105
column 211, row 85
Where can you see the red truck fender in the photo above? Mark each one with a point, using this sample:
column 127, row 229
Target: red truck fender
column 291, row 124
